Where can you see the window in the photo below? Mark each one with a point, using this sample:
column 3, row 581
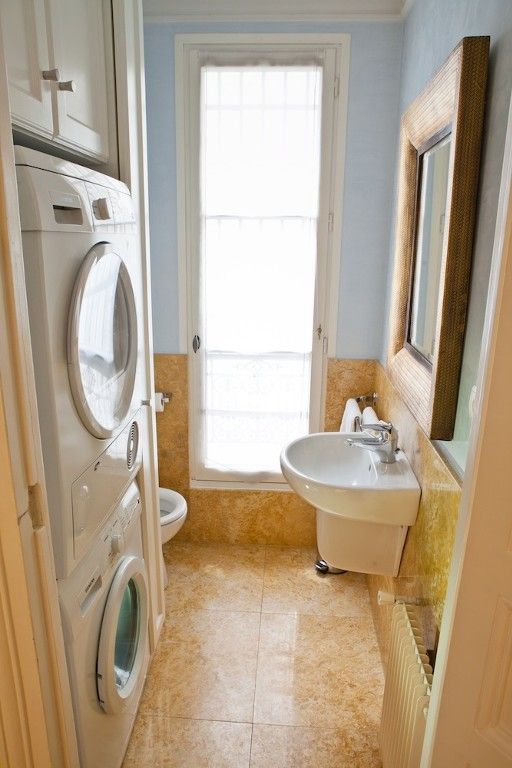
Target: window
column 257, row 235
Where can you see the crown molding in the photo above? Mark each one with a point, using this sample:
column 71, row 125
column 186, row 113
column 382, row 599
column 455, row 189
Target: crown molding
column 156, row 11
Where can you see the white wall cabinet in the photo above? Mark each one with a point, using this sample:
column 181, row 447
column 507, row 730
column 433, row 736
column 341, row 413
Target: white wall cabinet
column 59, row 61
column 25, row 35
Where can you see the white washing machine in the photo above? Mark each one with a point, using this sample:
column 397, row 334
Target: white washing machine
column 104, row 606
column 83, row 278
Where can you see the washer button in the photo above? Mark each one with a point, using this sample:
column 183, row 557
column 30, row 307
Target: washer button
column 116, row 543
column 101, row 208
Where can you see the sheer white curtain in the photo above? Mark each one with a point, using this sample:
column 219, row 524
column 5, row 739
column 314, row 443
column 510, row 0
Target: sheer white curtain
column 259, row 169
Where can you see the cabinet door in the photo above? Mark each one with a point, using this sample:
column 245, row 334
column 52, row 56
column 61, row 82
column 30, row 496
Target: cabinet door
column 24, row 31
column 81, row 116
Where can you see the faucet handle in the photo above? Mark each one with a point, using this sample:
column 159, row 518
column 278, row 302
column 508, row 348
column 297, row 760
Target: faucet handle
column 381, row 426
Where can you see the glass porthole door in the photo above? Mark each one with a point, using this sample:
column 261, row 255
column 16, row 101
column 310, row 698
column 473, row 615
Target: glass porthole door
column 122, row 643
column 102, row 341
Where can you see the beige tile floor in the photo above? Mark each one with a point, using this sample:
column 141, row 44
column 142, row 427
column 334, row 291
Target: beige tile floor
column 262, row 664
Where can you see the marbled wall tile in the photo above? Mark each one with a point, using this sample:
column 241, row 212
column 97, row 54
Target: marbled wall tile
column 426, row 559
column 249, row 517
column 171, row 375
column 346, row 378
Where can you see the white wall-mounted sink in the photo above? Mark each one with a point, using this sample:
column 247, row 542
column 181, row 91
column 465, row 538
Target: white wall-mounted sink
column 351, row 481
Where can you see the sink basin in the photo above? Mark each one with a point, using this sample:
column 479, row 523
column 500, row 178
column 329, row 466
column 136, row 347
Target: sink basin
column 350, row 481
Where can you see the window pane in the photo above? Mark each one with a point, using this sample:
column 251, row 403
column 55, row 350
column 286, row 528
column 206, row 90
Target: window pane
column 260, row 162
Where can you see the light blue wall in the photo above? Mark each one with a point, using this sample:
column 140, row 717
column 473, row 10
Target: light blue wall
column 376, row 50
column 432, row 29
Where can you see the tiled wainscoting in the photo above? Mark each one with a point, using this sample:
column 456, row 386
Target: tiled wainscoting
column 281, row 518
column 429, row 545
column 262, row 663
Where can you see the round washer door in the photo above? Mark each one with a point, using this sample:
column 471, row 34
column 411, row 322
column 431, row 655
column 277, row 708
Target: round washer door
column 123, row 636
column 102, row 341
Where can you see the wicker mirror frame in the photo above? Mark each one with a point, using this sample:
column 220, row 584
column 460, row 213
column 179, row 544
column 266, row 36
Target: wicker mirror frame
column 454, row 97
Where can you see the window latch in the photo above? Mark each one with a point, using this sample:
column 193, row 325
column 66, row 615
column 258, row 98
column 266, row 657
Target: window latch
column 196, row 343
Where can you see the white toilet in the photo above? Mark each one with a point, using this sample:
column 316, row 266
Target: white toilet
column 173, row 513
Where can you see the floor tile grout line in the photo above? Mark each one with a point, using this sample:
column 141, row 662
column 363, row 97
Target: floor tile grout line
column 250, row 746
column 164, row 716
column 158, row 715
column 255, row 682
column 258, row 653
column 263, row 578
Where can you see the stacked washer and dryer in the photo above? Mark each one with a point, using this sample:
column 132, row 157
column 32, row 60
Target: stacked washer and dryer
column 84, row 290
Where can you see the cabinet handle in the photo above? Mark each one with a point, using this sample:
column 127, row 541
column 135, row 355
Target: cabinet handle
column 51, row 74
column 67, row 85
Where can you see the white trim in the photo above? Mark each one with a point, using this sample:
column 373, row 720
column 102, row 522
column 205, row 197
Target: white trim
column 338, row 154
column 464, row 594
column 181, row 144
column 236, row 485
column 339, row 120
column 131, row 121
column 161, row 11
column 335, row 50
column 36, row 713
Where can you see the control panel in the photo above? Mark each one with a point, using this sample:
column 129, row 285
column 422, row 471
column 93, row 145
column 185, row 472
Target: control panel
column 97, row 489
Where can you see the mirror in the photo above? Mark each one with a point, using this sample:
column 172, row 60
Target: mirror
column 440, row 139
column 430, row 229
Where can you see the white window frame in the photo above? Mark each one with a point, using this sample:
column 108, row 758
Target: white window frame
column 335, row 51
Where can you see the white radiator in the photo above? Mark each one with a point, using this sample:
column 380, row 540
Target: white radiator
column 406, row 692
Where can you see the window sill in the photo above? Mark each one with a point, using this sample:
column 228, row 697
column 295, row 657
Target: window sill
column 234, row 485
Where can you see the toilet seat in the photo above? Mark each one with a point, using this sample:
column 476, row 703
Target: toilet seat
column 172, row 506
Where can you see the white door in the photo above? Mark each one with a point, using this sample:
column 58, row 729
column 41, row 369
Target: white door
column 123, row 637
column 81, row 111
column 102, row 341
column 24, row 30
column 470, row 717
column 261, row 118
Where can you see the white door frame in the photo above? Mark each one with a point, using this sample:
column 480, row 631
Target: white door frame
column 475, row 645
column 35, row 700
column 335, row 49
column 131, row 122
column 36, row 713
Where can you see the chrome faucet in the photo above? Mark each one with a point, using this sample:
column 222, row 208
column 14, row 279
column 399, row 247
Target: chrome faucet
column 384, row 444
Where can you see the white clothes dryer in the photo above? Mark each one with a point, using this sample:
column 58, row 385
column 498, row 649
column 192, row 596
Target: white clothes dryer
column 104, row 606
column 84, row 290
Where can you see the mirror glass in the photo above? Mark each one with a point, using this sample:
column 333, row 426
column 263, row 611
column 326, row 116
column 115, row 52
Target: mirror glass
column 434, row 165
